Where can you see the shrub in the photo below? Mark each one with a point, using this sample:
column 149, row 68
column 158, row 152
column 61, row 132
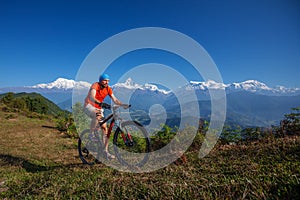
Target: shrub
column 230, row 135
column 291, row 124
column 66, row 124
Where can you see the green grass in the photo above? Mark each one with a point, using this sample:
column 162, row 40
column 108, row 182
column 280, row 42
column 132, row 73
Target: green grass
column 38, row 162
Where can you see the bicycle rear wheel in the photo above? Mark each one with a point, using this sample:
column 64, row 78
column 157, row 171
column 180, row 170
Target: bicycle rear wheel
column 131, row 144
column 89, row 147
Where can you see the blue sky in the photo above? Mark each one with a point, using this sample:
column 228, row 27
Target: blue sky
column 41, row 41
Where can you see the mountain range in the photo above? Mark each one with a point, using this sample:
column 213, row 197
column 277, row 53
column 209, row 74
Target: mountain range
column 249, row 103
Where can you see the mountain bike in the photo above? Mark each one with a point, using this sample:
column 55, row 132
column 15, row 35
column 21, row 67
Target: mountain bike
column 131, row 143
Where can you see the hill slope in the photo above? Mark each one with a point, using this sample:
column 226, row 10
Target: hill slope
column 33, row 102
column 37, row 162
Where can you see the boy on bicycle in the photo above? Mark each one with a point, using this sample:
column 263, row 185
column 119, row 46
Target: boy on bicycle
column 92, row 107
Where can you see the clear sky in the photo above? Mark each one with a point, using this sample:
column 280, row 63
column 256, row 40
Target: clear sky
column 41, row 41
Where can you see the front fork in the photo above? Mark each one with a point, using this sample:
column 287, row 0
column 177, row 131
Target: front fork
column 127, row 138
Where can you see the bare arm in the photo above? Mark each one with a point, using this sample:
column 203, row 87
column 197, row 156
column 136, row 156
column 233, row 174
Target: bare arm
column 115, row 100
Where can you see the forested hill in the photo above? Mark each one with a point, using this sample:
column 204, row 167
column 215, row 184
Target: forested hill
column 30, row 102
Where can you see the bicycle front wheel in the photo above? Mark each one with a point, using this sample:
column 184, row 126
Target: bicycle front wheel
column 131, row 144
column 89, row 147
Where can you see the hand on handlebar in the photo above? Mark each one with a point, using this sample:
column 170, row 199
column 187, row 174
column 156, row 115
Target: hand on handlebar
column 126, row 106
column 107, row 106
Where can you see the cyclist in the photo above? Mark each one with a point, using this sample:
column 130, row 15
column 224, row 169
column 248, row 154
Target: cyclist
column 92, row 107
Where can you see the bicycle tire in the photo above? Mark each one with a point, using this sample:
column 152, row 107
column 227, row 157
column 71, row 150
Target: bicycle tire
column 136, row 154
column 89, row 147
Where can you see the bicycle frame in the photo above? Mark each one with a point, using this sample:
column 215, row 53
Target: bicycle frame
column 124, row 137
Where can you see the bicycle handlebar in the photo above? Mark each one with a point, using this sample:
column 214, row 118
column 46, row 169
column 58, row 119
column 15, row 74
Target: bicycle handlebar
column 107, row 106
column 125, row 106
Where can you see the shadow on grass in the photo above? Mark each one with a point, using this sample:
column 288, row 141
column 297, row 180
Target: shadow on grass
column 50, row 127
column 55, row 128
column 29, row 166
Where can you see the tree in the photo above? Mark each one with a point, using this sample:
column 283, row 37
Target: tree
column 19, row 103
column 291, row 124
column 8, row 98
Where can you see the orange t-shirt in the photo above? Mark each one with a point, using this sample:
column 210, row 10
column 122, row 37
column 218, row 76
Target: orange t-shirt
column 101, row 93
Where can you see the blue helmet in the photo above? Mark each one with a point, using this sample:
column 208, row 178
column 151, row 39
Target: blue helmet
column 103, row 77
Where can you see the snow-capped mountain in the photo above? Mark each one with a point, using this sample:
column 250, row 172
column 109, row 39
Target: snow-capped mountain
column 210, row 84
column 63, row 84
column 254, row 86
column 66, row 84
column 261, row 88
column 131, row 85
column 248, row 86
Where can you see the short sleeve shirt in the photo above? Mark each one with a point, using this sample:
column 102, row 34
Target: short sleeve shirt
column 101, row 93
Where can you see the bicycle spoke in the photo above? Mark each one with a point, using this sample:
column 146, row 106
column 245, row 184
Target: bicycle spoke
column 131, row 144
column 88, row 147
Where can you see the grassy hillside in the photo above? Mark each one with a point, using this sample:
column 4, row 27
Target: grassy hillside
column 38, row 162
column 30, row 102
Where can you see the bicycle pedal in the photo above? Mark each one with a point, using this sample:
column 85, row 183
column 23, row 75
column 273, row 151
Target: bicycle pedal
column 84, row 150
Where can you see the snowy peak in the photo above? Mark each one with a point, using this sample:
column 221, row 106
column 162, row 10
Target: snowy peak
column 210, row 84
column 64, row 84
column 261, row 88
column 250, row 85
column 253, row 86
column 130, row 84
